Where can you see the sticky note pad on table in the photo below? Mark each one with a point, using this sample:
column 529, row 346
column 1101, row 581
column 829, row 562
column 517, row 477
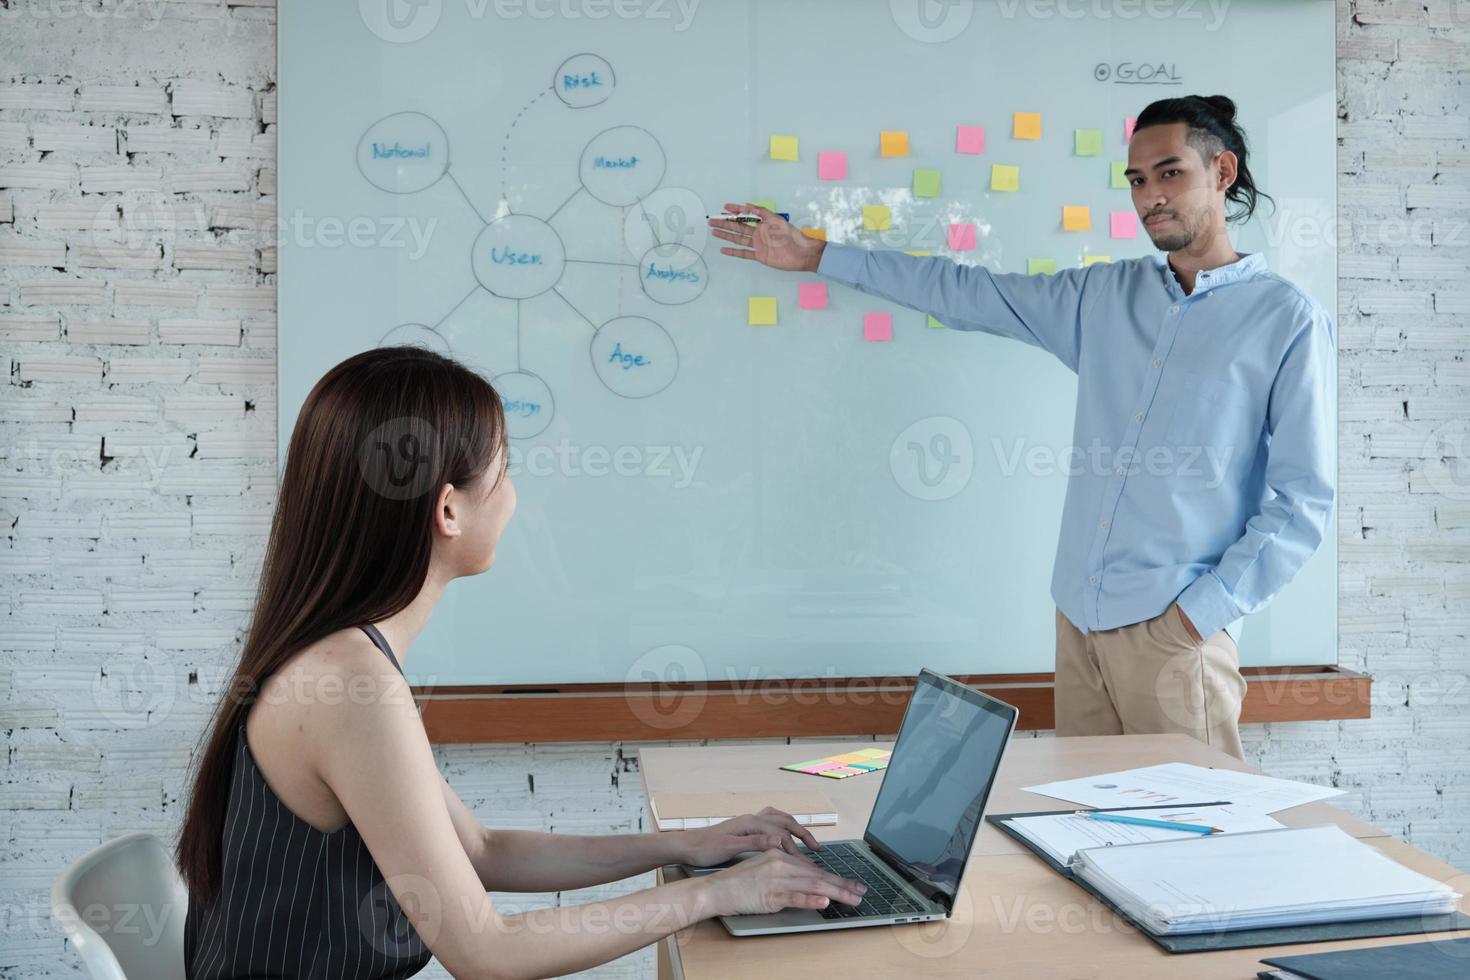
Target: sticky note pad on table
column 1035, row 267
column 962, row 238
column 1094, row 260
column 820, row 234
column 785, row 148
column 877, row 326
column 761, row 311
column 877, row 217
column 1124, row 224
column 1076, row 217
column 1004, row 177
column 1026, row 126
column 844, row 764
column 927, row 183
column 1120, row 179
column 831, row 165
column 893, row 143
column 1128, row 125
column 969, row 139
column 1088, row 142
column 811, row 295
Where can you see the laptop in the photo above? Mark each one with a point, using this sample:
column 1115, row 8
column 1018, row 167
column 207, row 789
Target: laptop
column 925, row 819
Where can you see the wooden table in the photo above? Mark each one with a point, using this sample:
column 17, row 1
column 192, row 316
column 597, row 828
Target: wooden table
column 1015, row 917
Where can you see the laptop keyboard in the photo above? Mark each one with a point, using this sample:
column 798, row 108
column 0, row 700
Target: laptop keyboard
column 883, row 896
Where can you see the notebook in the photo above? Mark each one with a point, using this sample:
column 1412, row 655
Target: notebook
column 688, row 811
column 1262, row 879
column 1433, row 960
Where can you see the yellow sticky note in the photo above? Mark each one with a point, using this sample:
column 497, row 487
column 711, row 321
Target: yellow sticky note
column 1094, row 260
column 893, row 143
column 820, row 234
column 1076, row 217
column 920, row 252
column 762, row 311
column 1004, row 178
column 1041, row 267
column 1026, row 126
column 784, row 148
column 877, row 217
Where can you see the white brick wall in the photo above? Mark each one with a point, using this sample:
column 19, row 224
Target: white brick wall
column 137, row 437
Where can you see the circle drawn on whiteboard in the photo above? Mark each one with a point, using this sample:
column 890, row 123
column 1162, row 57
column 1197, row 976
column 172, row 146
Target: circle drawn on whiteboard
column 622, row 165
column 634, row 356
column 403, row 153
column 518, row 256
column 417, row 335
column 668, row 216
column 583, row 81
column 529, row 406
column 673, row 274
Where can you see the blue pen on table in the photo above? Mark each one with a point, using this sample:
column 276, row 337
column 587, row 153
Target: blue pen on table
column 1193, row 828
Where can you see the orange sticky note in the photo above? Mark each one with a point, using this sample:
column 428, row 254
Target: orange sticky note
column 893, row 143
column 1026, row 126
column 1076, row 217
column 820, row 234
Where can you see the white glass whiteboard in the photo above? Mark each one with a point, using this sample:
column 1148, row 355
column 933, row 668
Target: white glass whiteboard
column 524, row 184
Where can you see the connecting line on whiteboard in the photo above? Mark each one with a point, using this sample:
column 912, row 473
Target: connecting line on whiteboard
column 652, row 225
column 625, row 265
column 518, row 335
column 455, row 180
column 451, row 313
column 562, row 205
column 505, row 144
column 574, row 307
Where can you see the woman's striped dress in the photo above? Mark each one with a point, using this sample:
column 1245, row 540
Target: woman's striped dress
column 296, row 901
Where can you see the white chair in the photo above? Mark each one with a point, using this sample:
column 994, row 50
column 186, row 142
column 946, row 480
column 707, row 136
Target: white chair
column 122, row 905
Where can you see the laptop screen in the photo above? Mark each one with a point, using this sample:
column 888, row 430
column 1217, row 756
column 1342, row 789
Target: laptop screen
column 933, row 795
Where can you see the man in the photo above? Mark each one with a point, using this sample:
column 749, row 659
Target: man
column 1208, row 384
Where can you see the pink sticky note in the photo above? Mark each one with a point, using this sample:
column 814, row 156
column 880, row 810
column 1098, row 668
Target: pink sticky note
column 970, row 139
column 962, row 238
column 877, row 326
column 1128, row 125
column 811, row 295
column 823, row 765
column 1124, row 224
column 831, row 165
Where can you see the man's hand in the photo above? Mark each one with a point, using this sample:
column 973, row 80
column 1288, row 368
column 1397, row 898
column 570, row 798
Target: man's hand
column 775, row 242
column 771, row 828
column 1188, row 626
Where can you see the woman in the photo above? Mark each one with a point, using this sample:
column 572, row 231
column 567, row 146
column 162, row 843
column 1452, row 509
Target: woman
column 320, row 839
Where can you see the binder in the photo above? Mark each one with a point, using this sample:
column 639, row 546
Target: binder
column 1243, row 938
column 1431, row 960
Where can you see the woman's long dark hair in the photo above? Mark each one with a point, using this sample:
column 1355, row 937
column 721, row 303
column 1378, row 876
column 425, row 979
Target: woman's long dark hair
column 350, row 541
column 1212, row 128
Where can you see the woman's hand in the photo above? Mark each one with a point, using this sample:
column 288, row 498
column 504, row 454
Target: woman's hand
column 775, row 881
column 771, row 828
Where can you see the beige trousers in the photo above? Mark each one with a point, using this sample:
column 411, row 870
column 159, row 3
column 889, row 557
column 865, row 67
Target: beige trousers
column 1148, row 678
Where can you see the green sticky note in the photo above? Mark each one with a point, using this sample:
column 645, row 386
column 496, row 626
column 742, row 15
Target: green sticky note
column 785, row 147
column 1088, row 142
column 877, row 217
column 768, row 205
column 1005, row 178
column 1094, row 260
column 1041, row 267
column 1120, row 182
column 761, row 311
column 926, row 183
column 935, row 324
